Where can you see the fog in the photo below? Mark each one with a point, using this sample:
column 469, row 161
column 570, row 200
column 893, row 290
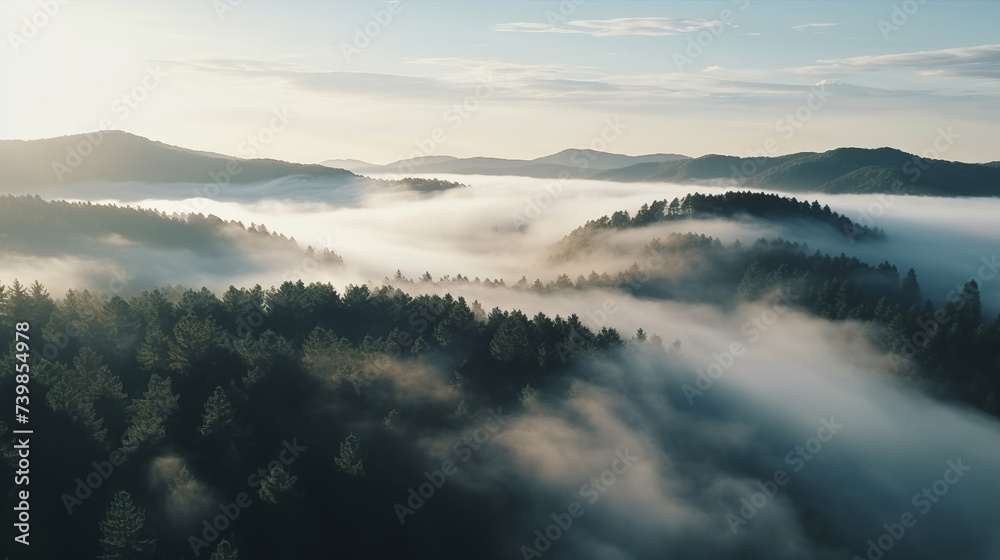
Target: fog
column 697, row 461
column 503, row 227
column 809, row 398
column 705, row 423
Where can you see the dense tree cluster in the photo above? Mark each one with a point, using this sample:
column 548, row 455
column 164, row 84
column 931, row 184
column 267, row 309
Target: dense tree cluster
column 47, row 228
column 222, row 386
column 420, row 184
column 705, row 206
column 950, row 349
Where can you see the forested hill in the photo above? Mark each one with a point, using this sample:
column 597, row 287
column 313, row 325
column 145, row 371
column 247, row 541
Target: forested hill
column 706, row 206
column 72, row 244
column 843, row 170
column 114, row 156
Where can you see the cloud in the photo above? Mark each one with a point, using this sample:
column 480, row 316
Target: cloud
column 694, row 465
column 313, row 79
column 645, row 26
column 812, row 25
column 977, row 62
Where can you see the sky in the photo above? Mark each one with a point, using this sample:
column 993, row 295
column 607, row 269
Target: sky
column 382, row 81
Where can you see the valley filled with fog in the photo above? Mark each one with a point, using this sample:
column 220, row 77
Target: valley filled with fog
column 503, row 227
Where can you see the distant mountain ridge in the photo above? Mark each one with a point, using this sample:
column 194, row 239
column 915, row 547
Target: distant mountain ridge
column 839, row 171
column 580, row 163
column 116, row 156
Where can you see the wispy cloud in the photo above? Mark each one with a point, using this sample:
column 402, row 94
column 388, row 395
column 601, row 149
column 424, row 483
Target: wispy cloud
column 812, row 25
column 453, row 77
column 979, row 62
column 648, row 26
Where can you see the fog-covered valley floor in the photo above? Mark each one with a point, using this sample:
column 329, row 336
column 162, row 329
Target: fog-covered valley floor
column 502, row 227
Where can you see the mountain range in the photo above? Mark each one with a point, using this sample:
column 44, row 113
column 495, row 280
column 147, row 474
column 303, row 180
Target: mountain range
column 843, row 170
column 114, row 156
column 578, row 163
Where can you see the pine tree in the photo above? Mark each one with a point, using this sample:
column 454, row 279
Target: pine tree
column 80, row 391
column 219, row 418
column 275, row 483
column 351, row 458
column 154, row 350
column 97, row 379
column 909, row 290
column 183, row 491
column 264, row 351
column 121, row 529
column 193, row 341
column 40, row 304
column 17, row 300
column 390, row 420
column 64, row 396
column 420, row 346
column 972, row 312
column 148, row 415
column 511, row 343
column 225, row 551
column 752, row 283
column 253, row 377
column 529, row 396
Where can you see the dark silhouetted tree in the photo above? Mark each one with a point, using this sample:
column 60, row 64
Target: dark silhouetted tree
column 351, row 457
column 122, row 530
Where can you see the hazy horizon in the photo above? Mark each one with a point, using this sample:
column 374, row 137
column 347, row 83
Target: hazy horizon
column 511, row 80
